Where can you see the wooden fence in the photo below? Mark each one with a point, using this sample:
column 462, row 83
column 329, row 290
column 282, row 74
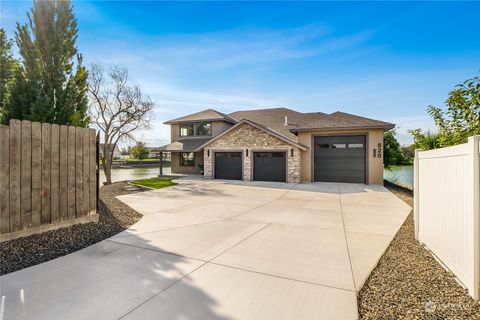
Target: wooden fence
column 47, row 176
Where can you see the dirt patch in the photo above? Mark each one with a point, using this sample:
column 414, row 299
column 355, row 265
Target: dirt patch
column 114, row 217
column 408, row 283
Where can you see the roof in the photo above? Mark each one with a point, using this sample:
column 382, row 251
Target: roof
column 342, row 120
column 184, row 145
column 274, row 119
column 258, row 126
column 205, row 115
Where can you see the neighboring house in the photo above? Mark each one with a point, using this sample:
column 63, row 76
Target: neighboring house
column 116, row 150
column 279, row 145
column 154, row 152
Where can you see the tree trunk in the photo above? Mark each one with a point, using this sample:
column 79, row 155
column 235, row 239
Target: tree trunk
column 107, row 164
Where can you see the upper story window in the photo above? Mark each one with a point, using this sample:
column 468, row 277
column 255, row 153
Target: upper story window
column 197, row 129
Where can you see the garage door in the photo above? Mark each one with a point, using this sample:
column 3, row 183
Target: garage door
column 228, row 165
column 340, row 159
column 269, row 166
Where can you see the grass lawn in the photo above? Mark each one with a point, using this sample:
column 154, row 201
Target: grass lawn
column 155, row 183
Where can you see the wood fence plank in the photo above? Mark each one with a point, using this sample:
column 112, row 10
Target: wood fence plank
column 26, row 175
column 71, row 172
column 78, row 171
column 15, row 157
column 55, row 174
column 46, row 172
column 4, row 179
column 36, row 173
column 93, row 170
column 86, row 172
column 63, row 187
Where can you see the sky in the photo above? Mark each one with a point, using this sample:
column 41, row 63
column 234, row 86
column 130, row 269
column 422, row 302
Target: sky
column 383, row 60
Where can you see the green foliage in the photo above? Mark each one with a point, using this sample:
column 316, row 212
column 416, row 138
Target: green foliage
column 155, row 183
column 8, row 68
column 425, row 140
column 460, row 121
column 139, row 151
column 392, row 154
column 408, row 154
column 51, row 85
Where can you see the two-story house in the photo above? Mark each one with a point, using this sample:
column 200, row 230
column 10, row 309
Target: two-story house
column 278, row 145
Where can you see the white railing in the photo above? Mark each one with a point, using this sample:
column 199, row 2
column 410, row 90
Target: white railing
column 447, row 210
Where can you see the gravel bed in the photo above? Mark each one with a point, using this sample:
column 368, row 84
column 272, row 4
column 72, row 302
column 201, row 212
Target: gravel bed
column 408, row 283
column 114, row 217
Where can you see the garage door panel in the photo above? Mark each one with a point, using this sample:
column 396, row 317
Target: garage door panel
column 228, row 165
column 340, row 159
column 269, row 166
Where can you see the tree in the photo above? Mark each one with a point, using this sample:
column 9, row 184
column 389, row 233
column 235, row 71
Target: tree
column 392, row 154
column 139, row 151
column 425, row 140
column 117, row 107
column 8, row 68
column 51, row 85
column 461, row 120
column 408, row 154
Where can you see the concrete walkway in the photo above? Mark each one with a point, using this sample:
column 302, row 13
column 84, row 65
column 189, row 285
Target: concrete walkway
column 221, row 250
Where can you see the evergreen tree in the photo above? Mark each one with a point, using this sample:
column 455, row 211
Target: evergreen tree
column 52, row 83
column 8, row 67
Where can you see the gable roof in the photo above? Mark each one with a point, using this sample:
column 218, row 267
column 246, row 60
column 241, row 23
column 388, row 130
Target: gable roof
column 274, row 119
column 258, row 126
column 342, row 120
column 184, row 145
column 205, row 115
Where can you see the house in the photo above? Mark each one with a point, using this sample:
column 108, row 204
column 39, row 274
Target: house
column 154, row 152
column 278, row 144
column 116, row 150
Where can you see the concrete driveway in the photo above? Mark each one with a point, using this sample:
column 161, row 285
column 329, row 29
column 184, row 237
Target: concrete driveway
column 221, row 250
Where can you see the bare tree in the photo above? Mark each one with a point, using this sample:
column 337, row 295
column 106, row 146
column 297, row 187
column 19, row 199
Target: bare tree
column 117, row 107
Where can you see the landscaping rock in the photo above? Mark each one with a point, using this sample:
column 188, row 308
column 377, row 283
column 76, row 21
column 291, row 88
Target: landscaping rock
column 114, row 217
column 408, row 283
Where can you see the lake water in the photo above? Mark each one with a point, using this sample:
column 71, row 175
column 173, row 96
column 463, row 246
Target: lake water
column 401, row 175
column 121, row 174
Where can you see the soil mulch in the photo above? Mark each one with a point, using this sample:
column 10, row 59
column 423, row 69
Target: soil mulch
column 408, row 283
column 114, row 217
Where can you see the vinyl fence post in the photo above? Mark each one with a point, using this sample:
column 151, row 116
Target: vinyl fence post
column 474, row 143
column 416, row 191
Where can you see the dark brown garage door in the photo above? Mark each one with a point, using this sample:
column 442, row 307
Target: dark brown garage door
column 269, row 166
column 228, row 165
column 340, row 159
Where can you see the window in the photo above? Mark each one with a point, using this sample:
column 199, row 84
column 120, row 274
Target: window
column 355, row 145
column 198, row 129
column 203, row 129
column 186, row 130
column 187, row 159
column 339, row 145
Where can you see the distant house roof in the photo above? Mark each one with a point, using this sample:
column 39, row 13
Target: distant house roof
column 275, row 119
column 258, row 126
column 184, row 145
column 342, row 120
column 205, row 115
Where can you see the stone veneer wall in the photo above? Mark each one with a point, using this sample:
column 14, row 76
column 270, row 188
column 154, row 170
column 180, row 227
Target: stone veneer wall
column 248, row 137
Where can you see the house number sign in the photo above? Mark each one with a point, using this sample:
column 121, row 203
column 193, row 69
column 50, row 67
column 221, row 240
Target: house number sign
column 379, row 150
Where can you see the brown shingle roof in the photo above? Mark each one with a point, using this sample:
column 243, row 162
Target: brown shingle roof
column 258, row 126
column 342, row 120
column 275, row 119
column 205, row 115
column 184, row 145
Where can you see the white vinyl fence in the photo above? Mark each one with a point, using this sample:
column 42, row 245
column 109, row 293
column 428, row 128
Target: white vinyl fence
column 447, row 210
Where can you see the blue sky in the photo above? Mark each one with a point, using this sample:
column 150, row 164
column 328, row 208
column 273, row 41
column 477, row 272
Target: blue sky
column 385, row 60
